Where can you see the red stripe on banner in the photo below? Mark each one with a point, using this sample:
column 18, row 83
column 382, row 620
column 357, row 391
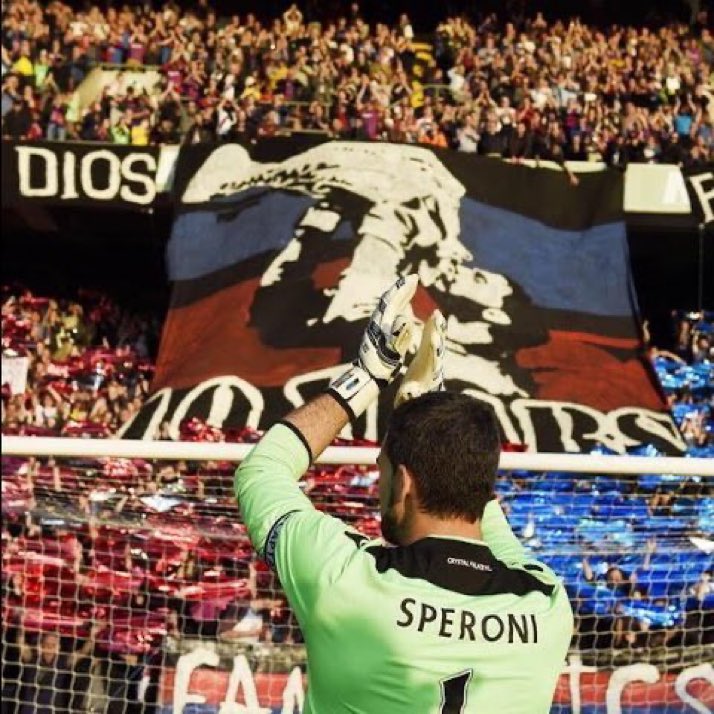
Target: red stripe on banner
column 327, row 275
column 625, row 343
column 423, row 303
column 211, row 338
column 579, row 367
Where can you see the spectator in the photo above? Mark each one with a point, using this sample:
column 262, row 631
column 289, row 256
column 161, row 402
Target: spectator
column 468, row 136
column 575, row 151
column 140, row 133
column 698, row 626
column 292, row 18
column 10, row 93
column 703, row 587
column 493, row 140
column 18, row 121
column 56, row 127
column 248, row 622
column 123, row 674
column 46, row 676
column 702, row 349
column 120, row 133
column 520, row 143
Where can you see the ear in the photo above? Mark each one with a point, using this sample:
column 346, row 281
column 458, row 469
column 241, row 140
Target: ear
column 405, row 485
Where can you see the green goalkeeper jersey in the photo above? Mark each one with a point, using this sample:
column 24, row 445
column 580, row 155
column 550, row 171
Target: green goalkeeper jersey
column 443, row 625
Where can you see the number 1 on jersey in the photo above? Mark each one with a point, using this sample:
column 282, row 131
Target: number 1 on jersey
column 453, row 692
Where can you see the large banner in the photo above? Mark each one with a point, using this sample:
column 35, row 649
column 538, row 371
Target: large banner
column 279, row 252
column 79, row 173
column 637, row 689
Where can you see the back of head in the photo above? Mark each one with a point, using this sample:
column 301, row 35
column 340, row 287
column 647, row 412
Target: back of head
column 450, row 443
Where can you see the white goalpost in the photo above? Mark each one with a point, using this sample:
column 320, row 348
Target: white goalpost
column 130, row 586
column 198, row 451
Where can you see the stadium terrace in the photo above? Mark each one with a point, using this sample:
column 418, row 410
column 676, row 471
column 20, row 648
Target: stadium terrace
column 206, row 211
column 519, row 87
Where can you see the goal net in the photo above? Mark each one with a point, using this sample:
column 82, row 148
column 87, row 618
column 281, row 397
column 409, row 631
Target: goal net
column 130, row 586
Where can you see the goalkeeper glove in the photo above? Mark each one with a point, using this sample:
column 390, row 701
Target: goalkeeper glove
column 426, row 371
column 381, row 354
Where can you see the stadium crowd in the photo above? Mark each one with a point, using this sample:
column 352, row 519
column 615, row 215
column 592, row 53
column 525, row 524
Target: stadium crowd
column 83, row 365
column 529, row 88
column 110, row 564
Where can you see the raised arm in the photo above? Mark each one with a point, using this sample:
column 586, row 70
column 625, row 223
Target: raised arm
column 588, row 573
column 497, row 534
column 318, row 422
column 265, row 483
column 25, row 649
column 88, row 646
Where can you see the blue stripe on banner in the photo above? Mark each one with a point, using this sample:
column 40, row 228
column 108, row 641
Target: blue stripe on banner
column 203, row 242
column 582, row 271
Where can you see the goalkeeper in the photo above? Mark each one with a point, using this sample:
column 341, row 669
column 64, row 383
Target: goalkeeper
column 452, row 616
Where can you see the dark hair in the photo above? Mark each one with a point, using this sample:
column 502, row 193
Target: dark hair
column 450, row 443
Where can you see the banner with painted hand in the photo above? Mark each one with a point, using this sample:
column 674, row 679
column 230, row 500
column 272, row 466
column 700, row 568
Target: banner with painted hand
column 280, row 250
column 79, row 173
